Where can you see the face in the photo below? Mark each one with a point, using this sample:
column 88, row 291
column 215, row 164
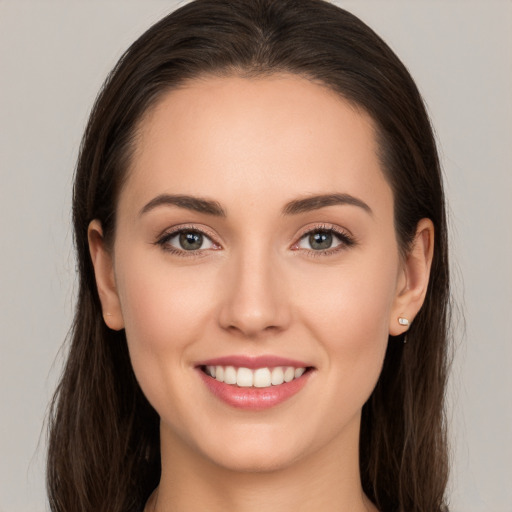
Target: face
column 255, row 245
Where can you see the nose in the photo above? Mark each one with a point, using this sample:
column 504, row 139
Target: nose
column 254, row 298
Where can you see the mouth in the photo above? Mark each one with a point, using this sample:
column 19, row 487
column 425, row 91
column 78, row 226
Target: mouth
column 264, row 377
column 254, row 383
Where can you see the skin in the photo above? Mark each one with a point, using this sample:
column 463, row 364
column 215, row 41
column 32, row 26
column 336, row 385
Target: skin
column 259, row 287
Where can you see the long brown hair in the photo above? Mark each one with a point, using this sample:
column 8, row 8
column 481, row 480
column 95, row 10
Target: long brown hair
column 103, row 434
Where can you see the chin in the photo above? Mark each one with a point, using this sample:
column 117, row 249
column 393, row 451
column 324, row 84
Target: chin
column 257, row 453
column 254, row 461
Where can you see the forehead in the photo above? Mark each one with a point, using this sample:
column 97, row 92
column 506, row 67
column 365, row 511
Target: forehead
column 240, row 137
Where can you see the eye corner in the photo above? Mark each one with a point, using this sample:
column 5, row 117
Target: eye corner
column 172, row 241
column 342, row 238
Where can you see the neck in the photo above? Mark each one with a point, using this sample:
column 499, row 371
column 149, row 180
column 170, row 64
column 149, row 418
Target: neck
column 327, row 480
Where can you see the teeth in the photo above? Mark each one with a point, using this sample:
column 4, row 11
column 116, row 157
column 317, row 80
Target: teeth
column 289, row 374
column 262, row 378
column 277, row 376
column 230, row 375
column 258, row 378
column 244, row 378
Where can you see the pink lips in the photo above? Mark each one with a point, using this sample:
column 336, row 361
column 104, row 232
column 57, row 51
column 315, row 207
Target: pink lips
column 253, row 398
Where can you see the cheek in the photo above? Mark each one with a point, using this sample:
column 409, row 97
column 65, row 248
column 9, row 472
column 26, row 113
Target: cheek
column 347, row 309
column 160, row 298
column 351, row 300
column 164, row 310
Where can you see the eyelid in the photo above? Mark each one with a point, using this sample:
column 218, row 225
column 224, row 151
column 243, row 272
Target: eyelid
column 325, row 226
column 205, row 230
column 346, row 238
column 168, row 233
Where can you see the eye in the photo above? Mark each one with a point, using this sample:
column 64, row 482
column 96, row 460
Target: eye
column 324, row 239
column 187, row 240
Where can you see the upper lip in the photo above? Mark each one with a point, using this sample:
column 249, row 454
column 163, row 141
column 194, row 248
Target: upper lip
column 253, row 362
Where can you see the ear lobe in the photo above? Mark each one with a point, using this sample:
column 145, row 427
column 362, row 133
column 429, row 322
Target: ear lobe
column 414, row 279
column 104, row 273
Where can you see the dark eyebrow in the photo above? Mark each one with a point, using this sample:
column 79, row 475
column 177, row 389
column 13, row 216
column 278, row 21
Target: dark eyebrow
column 196, row 204
column 321, row 201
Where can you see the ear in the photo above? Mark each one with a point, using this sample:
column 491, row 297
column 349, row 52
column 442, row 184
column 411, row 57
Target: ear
column 105, row 281
column 413, row 280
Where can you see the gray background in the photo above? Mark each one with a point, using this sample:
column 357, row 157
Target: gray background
column 53, row 57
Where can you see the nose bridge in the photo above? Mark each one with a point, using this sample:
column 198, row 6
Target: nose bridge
column 255, row 300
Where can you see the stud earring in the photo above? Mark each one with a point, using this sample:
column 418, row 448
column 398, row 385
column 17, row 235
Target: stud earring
column 403, row 321
column 108, row 314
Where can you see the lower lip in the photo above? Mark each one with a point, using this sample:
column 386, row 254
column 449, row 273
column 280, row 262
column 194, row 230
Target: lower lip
column 254, row 398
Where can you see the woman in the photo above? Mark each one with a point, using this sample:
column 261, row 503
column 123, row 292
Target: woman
column 260, row 228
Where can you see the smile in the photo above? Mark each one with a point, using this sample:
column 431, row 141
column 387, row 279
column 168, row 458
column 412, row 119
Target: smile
column 254, row 383
column 257, row 378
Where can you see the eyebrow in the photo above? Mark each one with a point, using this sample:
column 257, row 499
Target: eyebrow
column 321, row 201
column 294, row 207
column 196, row 204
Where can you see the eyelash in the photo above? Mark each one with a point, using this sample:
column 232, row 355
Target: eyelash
column 163, row 241
column 346, row 241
